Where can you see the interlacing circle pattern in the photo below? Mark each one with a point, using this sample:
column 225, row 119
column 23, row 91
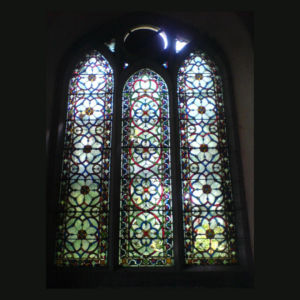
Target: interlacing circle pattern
column 206, row 185
column 83, row 228
column 146, row 220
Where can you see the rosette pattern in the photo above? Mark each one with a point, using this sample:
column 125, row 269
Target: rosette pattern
column 146, row 235
column 84, row 197
column 206, row 186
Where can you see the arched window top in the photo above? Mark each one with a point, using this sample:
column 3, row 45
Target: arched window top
column 118, row 198
column 145, row 80
column 197, row 62
column 146, row 224
column 92, row 85
column 85, row 177
column 199, row 80
column 93, row 62
column 209, row 226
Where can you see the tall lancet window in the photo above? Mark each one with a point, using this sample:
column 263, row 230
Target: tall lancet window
column 84, row 198
column 209, row 231
column 146, row 233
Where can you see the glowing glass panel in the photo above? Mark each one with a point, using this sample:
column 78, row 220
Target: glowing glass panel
column 164, row 36
column 209, row 230
column 150, row 27
column 111, row 45
column 146, row 230
column 179, row 45
column 83, row 223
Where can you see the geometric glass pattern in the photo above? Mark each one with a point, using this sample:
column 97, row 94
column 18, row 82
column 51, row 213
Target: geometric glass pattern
column 83, row 207
column 209, row 226
column 146, row 229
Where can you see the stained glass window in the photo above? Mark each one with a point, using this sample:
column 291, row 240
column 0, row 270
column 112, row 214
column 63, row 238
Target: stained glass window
column 83, row 224
column 209, row 231
column 146, row 233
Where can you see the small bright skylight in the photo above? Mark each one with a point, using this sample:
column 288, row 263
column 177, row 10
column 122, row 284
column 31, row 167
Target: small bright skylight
column 179, row 45
column 111, row 45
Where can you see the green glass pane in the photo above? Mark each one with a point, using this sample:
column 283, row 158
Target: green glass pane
column 85, row 178
column 146, row 232
column 206, row 186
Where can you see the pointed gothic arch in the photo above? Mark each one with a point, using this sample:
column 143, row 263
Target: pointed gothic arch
column 85, row 176
column 146, row 233
column 209, row 225
column 198, row 273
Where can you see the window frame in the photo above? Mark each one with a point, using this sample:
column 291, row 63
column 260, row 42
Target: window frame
column 179, row 272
